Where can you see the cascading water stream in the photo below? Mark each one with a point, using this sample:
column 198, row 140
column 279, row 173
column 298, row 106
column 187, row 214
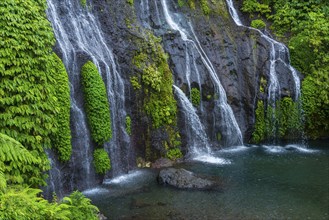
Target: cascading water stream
column 274, row 87
column 77, row 32
column 278, row 53
column 229, row 124
column 197, row 141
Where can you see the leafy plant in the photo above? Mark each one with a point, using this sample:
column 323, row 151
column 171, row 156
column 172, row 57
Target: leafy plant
column 27, row 94
column 17, row 164
column 174, row 154
column 258, row 23
column 128, row 125
column 102, row 161
column 195, row 96
column 80, row 207
column 62, row 138
column 96, row 104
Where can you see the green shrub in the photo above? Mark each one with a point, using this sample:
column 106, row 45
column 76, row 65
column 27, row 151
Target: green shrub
column 96, row 104
column 174, row 154
column 260, row 129
column 195, row 96
column 80, row 207
column 25, row 204
column 102, row 161
column 205, row 7
column 130, row 2
column 258, row 23
column 27, row 92
column 83, row 3
column 62, row 138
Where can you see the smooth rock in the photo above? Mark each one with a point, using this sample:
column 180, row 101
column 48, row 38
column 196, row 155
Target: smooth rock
column 185, row 179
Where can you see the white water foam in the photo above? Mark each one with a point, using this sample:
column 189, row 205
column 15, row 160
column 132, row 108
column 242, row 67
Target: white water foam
column 234, row 149
column 93, row 191
column 289, row 148
column 126, row 178
column 207, row 158
column 301, row 148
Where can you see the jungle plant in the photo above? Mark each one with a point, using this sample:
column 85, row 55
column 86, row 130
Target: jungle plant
column 62, row 138
column 102, row 161
column 195, row 96
column 96, row 104
column 27, row 94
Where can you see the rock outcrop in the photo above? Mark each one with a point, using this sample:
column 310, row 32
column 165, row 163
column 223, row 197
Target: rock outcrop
column 184, row 179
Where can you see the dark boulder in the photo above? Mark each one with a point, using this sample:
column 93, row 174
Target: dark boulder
column 184, row 179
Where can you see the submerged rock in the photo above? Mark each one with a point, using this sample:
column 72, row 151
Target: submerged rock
column 162, row 162
column 185, row 179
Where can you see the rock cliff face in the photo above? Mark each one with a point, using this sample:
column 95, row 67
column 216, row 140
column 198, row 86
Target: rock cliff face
column 239, row 57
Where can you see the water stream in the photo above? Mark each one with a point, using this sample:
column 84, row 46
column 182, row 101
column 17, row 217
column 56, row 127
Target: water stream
column 229, row 125
column 78, row 33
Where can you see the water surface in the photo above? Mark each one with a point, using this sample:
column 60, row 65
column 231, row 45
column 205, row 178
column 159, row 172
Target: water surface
column 259, row 182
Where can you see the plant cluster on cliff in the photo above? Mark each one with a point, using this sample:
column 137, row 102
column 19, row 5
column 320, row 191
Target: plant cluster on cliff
column 28, row 101
column 154, row 81
column 304, row 26
column 96, row 103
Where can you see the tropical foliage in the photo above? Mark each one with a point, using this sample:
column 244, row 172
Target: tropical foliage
column 61, row 140
column 102, row 161
column 28, row 102
column 96, row 103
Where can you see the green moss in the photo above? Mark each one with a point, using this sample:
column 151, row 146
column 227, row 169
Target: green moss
column 258, row 23
column 153, row 83
column 157, row 82
column 174, row 154
column 128, row 125
column 260, row 129
column 205, row 7
column 195, row 96
column 96, row 104
column 130, row 2
column 62, row 138
column 102, row 161
column 83, row 3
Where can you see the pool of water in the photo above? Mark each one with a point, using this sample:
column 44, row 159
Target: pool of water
column 259, row 182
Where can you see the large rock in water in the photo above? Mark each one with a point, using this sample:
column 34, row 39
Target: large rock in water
column 185, row 179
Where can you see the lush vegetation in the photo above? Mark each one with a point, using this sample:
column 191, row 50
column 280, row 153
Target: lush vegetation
column 304, row 26
column 96, row 104
column 28, row 102
column 128, row 125
column 195, row 96
column 19, row 201
column 61, row 140
column 154, row 82
column 284, row 121
column 102, row 161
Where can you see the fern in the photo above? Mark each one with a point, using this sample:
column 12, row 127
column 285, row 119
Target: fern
column 17, row 164
column 27, row 94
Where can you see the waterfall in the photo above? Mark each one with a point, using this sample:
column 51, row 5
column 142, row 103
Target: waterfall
column 197, row 140
column 274, row 87
column 278, row 53
column 78, row 33
column 230, row 128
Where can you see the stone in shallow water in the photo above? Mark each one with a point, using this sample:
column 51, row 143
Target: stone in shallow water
column 185, row 179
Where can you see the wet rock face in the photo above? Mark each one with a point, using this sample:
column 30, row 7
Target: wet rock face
column 239, row 55
column 184, row 179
